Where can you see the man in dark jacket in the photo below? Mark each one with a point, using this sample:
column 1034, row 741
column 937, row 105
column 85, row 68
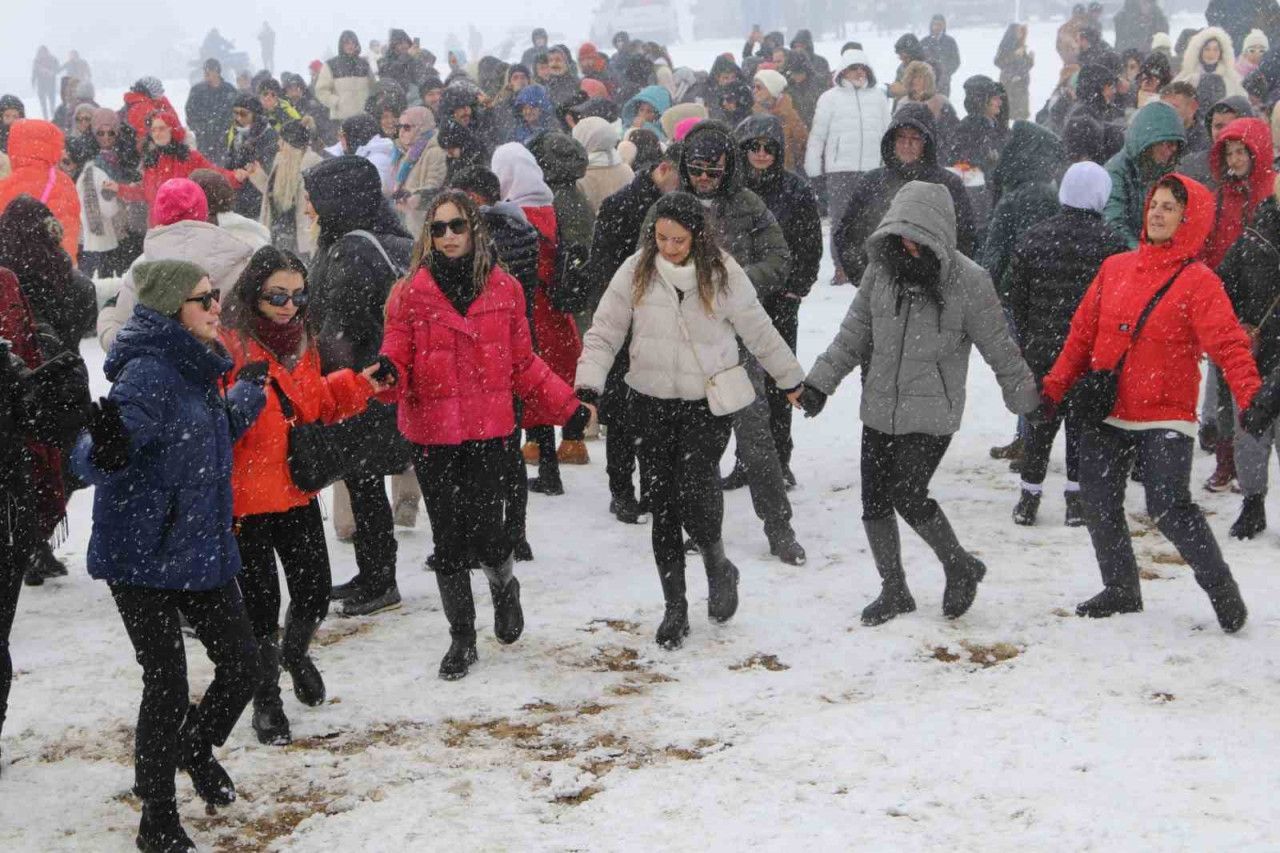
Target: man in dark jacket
column 792, row 202
column 350, row 280
column 1051, row 267
column 1023, row 187
column 538, row 46
column 1137, row 22
column 1249, row 273
column 250, row 140
column 942, row 53
column 619, row 223
column 403, row 65
column 710, row 168
column 209, row 111
column 910, row 154
column 802, row 42
column 1095, row 98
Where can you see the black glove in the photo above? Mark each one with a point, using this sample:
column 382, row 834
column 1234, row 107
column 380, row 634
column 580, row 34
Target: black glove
column 1255, row 421
column 110, row 439
column 386, row 372
column 1044, row 413
column 586, row 395
column 255, row 372
column 579, row 421
column 811, row 400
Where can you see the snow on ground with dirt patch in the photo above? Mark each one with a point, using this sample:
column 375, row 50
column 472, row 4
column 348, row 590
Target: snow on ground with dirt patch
column 1017, row 727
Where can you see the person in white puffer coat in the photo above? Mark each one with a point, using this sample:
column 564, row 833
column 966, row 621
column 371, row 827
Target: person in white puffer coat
column 848, row 124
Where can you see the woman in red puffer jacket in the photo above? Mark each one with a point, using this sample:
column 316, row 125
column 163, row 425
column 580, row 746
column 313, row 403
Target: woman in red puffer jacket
column 267, row 331
column 1154, row 419
column 165, row 155
column 457, row 333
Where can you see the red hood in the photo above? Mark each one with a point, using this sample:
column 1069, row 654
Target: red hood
column 1256, row 136
column 33, row 142
column 1189, row 239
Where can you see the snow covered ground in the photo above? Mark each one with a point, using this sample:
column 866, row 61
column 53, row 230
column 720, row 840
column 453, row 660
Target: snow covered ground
column 1018, row 727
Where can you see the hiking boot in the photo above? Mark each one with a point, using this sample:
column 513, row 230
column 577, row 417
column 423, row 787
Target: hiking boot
column 736, row 480
column 1028, row 505
column 626, row 509
column 1224, row 475
column 1253, row 518
column 1012, row 450
column 1075, row 509
column 546, row 485
column 1109, row 602
column 675, row 616
column 367, row 602
column 783, row 545
column 573, row 452
column 343, row 591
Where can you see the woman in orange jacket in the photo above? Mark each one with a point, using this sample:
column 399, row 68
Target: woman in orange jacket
column 268, row 331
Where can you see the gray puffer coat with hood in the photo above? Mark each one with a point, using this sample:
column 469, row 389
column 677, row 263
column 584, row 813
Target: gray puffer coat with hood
column 915, row 350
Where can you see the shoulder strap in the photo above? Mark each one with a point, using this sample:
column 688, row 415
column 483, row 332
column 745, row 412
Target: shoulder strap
column 1146, row 312
column 381, row 249
column 286, row 405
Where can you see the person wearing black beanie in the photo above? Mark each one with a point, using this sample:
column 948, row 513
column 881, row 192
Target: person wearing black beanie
column 681, row 292
column 362, row 250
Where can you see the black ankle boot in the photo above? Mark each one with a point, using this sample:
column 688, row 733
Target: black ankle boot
column 1024, row 513
column 1109, row 602
column 1075, row 509
column 1253, row 518
column 1228, row 605
column 504, row 589
column 722, row 583
column 269, row 722
column 963, row 570
column 195, row 756
column 308, row 683
column 886, row 549
column 460, row 610
column 160, row 831
column 675, row 617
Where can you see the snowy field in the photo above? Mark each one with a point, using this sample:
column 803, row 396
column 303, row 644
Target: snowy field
column 1018, row 727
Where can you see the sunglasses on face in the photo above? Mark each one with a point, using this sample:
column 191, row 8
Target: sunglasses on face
column 279, row 299
column 104, row 134
column 706, row 171
column 205, row 299
column 758, row 147
column 439, row 226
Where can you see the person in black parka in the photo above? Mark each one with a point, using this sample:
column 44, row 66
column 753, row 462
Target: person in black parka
column 208, row 111
column 362, row 250
column 910, row 154
column 792, row 202
column 1051, row 267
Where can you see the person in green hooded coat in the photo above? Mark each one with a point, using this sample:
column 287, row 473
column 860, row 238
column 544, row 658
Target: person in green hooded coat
column 1152, row 146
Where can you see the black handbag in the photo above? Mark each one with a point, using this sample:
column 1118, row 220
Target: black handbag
column 1092, row 399
column 315, row 455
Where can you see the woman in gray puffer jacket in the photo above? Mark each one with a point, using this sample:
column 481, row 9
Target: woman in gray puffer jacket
column 684, row 304
column 921, row 307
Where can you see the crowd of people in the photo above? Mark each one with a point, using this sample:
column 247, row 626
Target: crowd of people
column 377, row 272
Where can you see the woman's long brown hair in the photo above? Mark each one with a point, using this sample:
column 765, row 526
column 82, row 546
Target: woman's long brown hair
column 713, row 277
column 481, row 244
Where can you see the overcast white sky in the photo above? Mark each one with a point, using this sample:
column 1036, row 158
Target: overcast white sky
column 135, row 38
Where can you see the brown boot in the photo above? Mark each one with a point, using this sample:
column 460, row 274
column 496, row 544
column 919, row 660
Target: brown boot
column 530, row 451
column 1225, row 474
column 573, row 453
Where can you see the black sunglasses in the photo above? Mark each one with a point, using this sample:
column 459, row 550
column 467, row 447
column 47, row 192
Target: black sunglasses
column 206, row 299
column 439, row 226
column 279, row 300
column 760, row 146
column 705, row 171
column 104, row 134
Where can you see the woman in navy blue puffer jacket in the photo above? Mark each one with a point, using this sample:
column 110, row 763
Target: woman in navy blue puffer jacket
column 158, row 449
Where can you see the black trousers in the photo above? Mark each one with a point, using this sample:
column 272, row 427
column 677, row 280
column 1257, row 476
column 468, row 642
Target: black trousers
column 11, row 568
column 462, row 486
column 1106, row 456
column 1039, row 444
column 622, row 443
column 151, row 619
column 297, row 535
column 786, row 319
column 375, row 539
column 896, row 471
column 680, row 447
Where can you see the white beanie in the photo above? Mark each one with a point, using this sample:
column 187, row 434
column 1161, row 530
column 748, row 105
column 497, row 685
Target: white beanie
column 1256, row 38
column 1085, row 186
column 771, row 80
column 1161, row 41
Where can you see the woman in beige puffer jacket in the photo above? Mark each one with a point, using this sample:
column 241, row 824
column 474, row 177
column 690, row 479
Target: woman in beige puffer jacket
column 685, row 305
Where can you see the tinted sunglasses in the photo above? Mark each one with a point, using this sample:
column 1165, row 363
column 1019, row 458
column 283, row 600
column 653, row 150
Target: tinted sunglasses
column 299, row 298
column 760, row 146
column 206, row 300
column 104, row 134
column 705, row 171
column 439, row 226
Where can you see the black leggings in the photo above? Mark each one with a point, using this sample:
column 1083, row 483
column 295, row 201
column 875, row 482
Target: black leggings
column 297, row 535
column 375, row 539
column 463, row 488
column 10, row 585
column 151, row 618
column 896, row 470
column 680, row 445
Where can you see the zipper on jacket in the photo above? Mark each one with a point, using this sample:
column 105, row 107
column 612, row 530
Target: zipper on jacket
column 897, row 378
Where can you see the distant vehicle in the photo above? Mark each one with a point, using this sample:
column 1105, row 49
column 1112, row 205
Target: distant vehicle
column 644, row 20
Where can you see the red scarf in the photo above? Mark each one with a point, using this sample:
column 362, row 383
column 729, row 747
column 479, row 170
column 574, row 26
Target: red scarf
column 282, row 339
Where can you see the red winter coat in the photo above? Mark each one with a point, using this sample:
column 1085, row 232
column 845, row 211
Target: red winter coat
column 35, row 150
column 1161, row 377
column 168, row 166
column 260, row 480
column 1238, row 200
column 554, row 332
column 458, row 374
column 138, row 106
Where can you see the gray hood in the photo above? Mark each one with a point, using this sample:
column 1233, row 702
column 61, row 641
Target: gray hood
column 922, row 212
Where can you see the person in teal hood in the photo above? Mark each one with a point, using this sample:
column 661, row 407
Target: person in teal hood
column 1025, row 186
column 1152, row 146
column 646, row 108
